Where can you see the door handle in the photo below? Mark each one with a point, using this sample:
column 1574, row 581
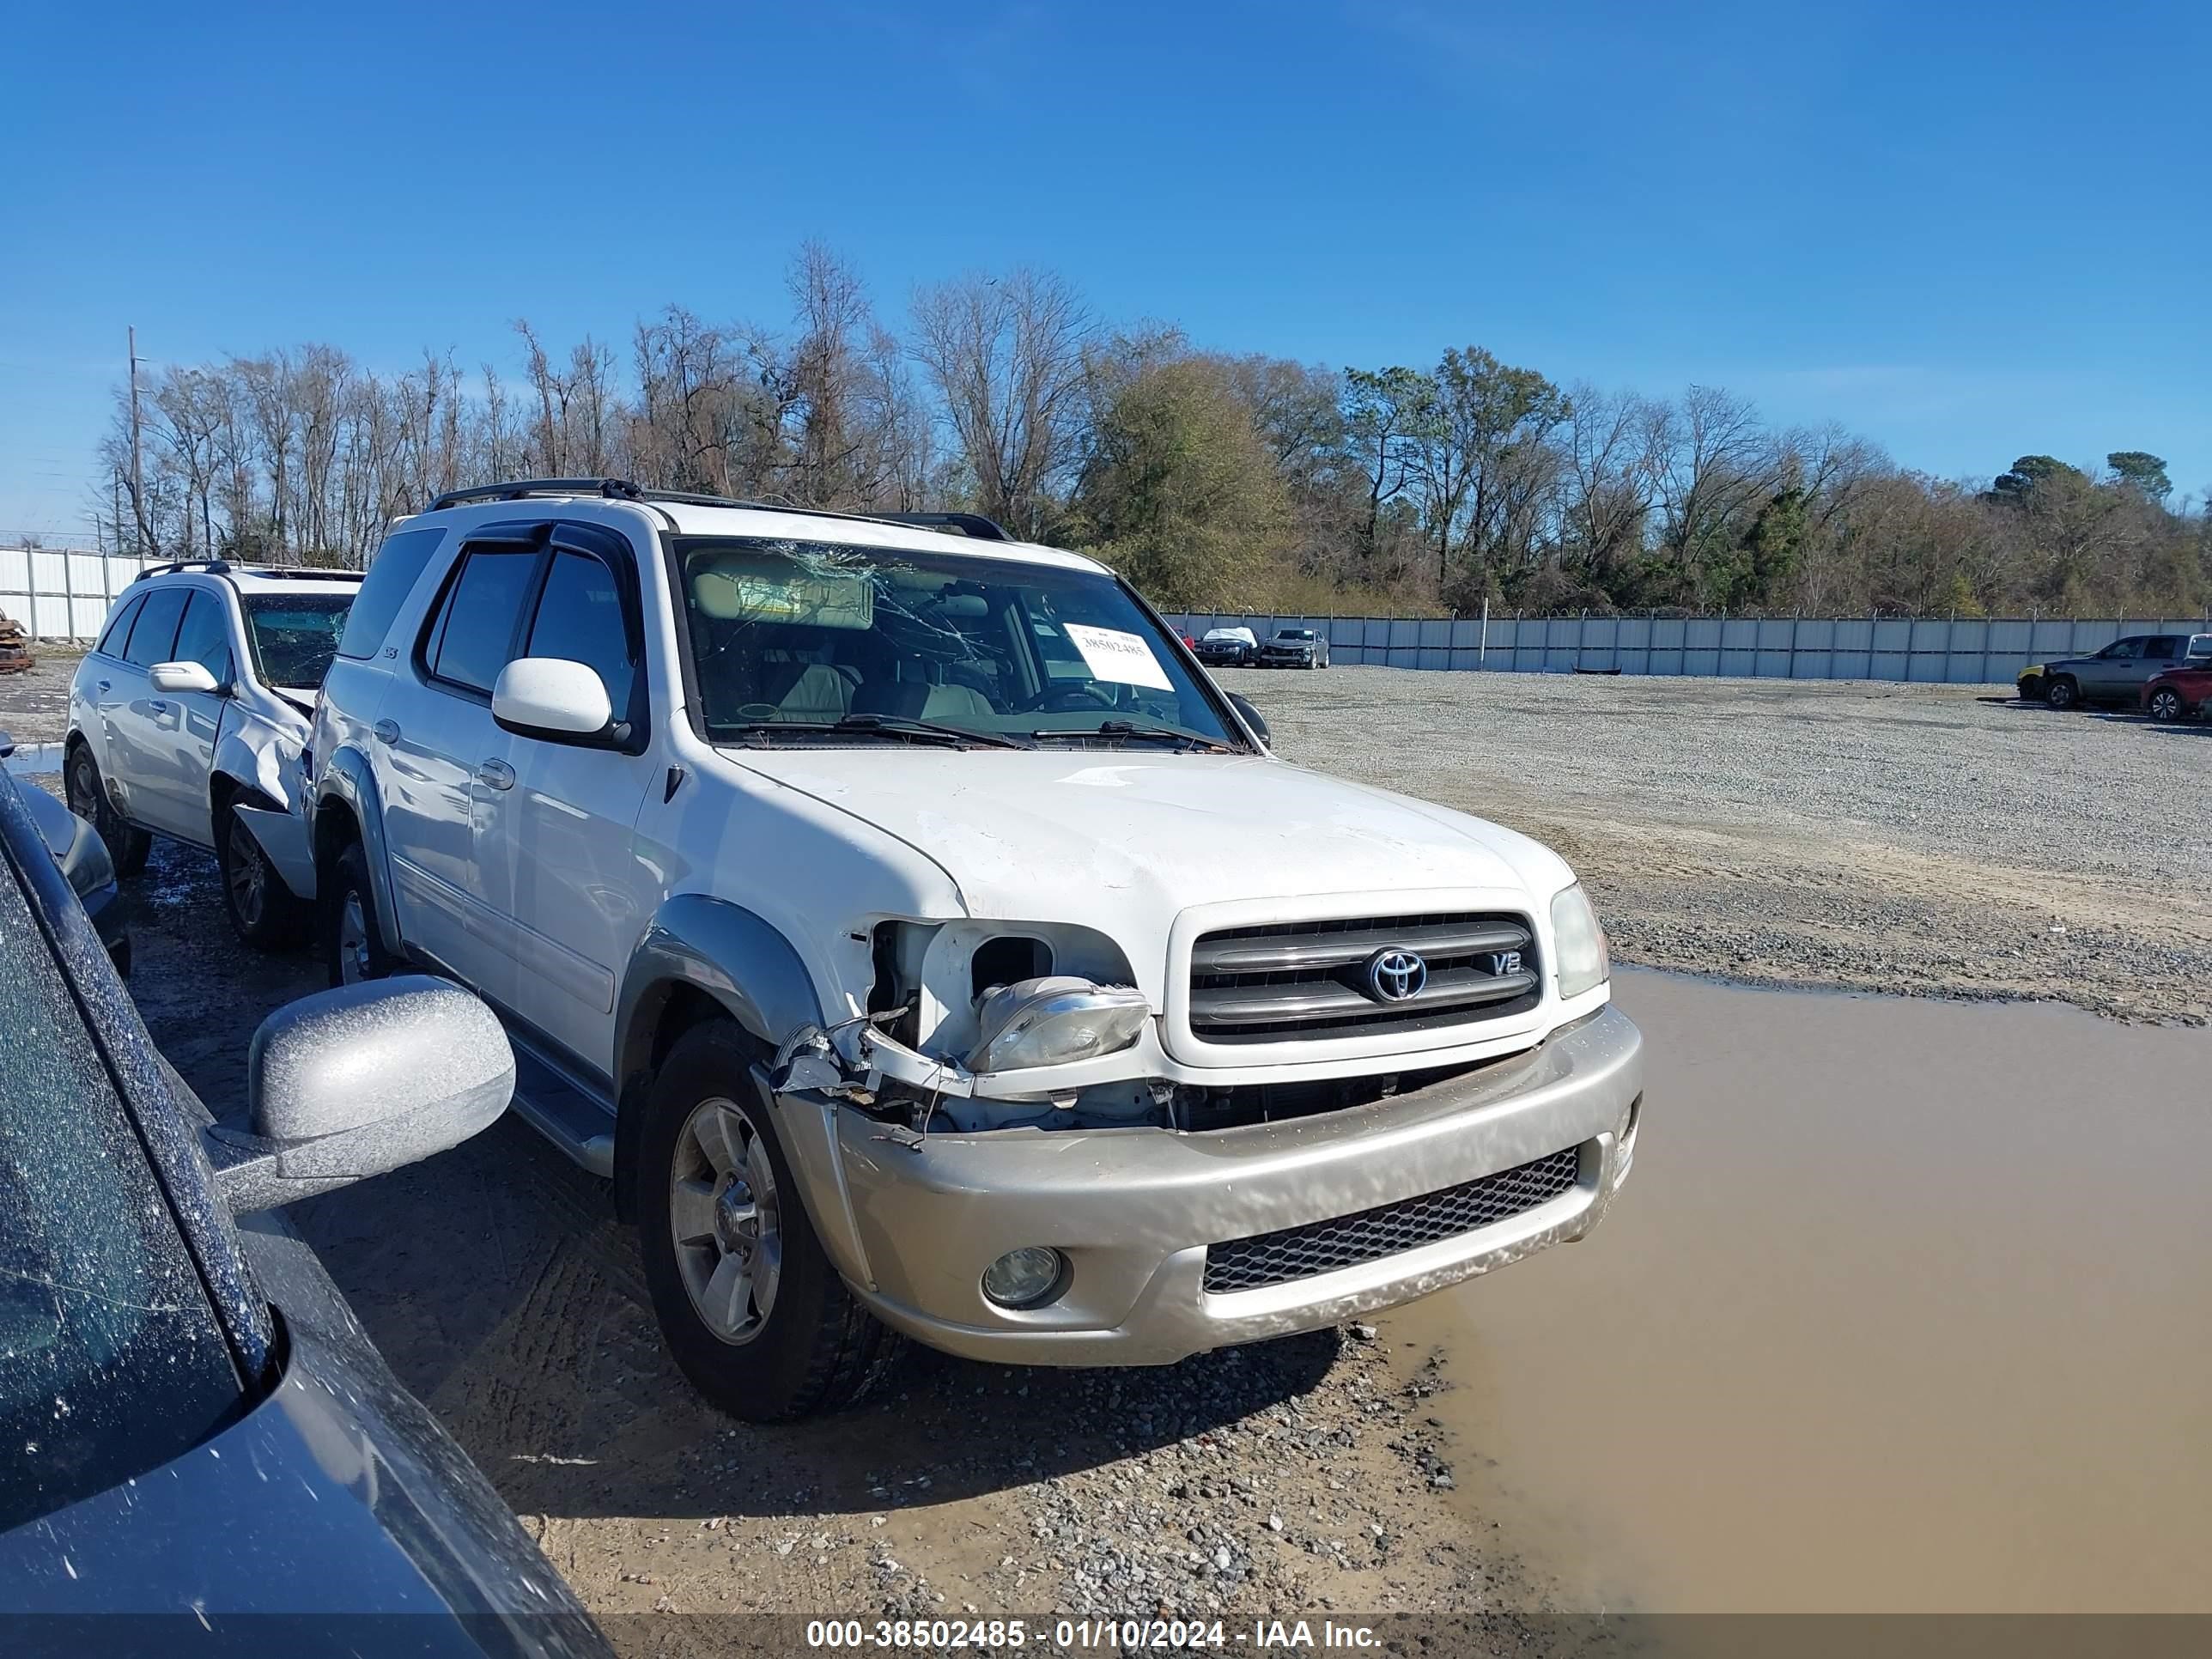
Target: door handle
column 495, row 775
column 387, row 731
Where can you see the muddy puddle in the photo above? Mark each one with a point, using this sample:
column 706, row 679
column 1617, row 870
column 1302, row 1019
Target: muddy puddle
column 1906, row 1306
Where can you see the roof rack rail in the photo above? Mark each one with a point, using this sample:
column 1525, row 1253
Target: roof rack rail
column 973, row 524
column 521, row 489
column 216, row 565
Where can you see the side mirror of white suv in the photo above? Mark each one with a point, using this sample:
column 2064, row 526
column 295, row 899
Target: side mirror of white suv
column 175, row 677
column 553, row 698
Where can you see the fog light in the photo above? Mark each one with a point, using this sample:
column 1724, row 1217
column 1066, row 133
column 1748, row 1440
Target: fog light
column 1026, row 1277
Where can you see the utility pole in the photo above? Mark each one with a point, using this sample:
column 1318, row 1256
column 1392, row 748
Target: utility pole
column 138, row 478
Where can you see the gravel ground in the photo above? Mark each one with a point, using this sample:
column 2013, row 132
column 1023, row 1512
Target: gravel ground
column 1935, row 840
column 34, row 704
column 1911, row 838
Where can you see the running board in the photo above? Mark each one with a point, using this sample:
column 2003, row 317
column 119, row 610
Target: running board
column 562, row 1111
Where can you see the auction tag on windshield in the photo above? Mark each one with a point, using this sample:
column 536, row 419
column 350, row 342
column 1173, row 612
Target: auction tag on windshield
column 1124, row 659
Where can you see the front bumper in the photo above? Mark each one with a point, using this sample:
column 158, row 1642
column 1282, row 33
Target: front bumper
column 912, row 1227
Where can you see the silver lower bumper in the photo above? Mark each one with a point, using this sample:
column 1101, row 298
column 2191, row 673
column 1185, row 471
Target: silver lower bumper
column 1134, row 1210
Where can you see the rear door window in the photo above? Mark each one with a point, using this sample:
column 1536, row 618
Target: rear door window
column 580, row 617
column 392, row 577
column 119, row 627
column 472, row 636
column 205, row 636
column 2164, row 647
column 154, row 635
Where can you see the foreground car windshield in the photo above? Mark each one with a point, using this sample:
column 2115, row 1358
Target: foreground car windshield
column 110, row 1360
column 296, row 636
column 792, row 634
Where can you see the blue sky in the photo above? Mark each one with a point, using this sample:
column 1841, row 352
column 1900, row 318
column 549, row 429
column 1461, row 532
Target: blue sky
column 1967, row 231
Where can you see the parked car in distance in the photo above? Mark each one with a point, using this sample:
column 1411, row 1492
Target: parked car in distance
column 1228, row 648
column 924, row 946
column 189, row 717
column 2179, row 693
column 1295, row 647
column 2116, row 674
column 83, row 859
column 197, row 1426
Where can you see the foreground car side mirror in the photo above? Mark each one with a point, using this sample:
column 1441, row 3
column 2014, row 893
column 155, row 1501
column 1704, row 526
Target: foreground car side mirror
column 352, row 1082
column 174, row 677
column 557, row 700
column 1254, row 719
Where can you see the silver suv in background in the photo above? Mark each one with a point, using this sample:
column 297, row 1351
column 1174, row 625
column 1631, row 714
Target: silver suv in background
column 2116, row 674
column 189, row 719
column 1295, row 647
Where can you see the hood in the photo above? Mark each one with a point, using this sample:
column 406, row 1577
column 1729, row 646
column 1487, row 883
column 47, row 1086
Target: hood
column 1047, row 835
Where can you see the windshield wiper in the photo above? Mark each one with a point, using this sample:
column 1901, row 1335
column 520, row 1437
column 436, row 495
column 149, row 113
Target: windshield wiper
column 890, row 726
column 1130, row 730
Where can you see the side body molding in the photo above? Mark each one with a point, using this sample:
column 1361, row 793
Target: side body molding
column 698, row 945
column 346, row 778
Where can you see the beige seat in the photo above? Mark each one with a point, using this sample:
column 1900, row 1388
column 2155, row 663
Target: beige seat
column 963, row 704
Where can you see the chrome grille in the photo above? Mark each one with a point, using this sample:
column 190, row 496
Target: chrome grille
column 1307, row 979
column 1322, row 1247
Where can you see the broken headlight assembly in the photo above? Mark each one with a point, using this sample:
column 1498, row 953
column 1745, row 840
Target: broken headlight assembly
column 1053, row 1021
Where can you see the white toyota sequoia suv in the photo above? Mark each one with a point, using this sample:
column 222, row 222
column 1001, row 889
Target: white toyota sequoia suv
column 923, row 944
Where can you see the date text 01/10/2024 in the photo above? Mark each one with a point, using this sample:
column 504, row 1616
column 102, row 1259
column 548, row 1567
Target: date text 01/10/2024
column 1080, row 1635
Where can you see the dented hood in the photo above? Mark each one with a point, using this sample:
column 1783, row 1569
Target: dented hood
column 1032, row 835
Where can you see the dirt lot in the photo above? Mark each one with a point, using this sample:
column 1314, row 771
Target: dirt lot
column 1935, row 840
column 1910, row 838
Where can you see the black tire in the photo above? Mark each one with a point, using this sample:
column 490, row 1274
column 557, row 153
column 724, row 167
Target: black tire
column 264, row 912
column 2031, row 690
column 346, row 898
column 816, row 1348
column 2061, row 694
column 127, row 845
column 2166, row 706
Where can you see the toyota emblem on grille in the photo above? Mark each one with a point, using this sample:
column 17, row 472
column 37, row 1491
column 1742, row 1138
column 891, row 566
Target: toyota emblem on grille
column 1396, row 976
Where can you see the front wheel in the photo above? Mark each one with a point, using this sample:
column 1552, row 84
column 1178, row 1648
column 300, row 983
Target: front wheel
column 748, row 1302
column 127, row 846
column 2166, row 705
column 2061, row 694
column 264, row 912
column 352, row 941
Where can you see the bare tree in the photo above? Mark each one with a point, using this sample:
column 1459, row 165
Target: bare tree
column 1005, row 355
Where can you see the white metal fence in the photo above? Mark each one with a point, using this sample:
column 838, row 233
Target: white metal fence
column 1981, row 651
column 61, row 594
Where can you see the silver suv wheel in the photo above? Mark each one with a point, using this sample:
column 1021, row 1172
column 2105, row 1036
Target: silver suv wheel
column 723, row 1217
column 354, row 962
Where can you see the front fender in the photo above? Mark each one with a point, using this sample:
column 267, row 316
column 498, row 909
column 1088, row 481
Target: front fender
column 348, row 779
column 710, row 946
column 269, row 799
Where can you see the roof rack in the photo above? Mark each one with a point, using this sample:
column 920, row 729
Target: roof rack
column 521, row 489
column 213, row 566
column 972, row 525
column 222, row 567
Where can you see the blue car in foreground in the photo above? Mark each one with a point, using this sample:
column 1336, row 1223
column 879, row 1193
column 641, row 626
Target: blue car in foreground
column 203, row 1451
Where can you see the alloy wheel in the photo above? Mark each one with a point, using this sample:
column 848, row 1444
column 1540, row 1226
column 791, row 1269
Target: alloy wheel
column 354, row 962
column 723, row 1217
column 247, row 877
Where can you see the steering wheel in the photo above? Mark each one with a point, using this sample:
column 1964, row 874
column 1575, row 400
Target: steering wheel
column 1070, row 699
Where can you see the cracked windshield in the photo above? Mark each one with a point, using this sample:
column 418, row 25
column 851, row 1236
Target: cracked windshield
column 799, row 642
